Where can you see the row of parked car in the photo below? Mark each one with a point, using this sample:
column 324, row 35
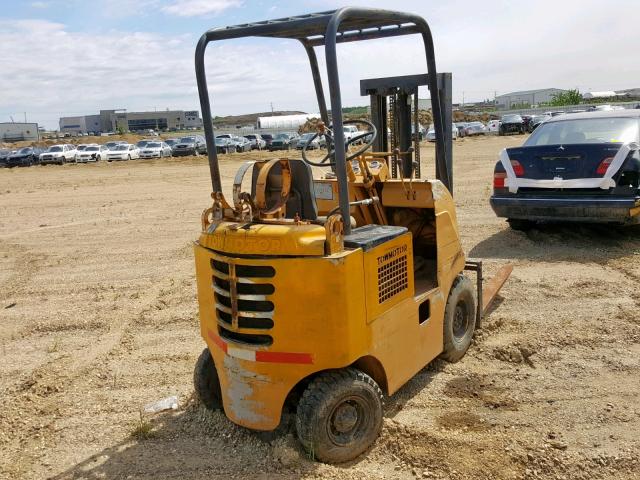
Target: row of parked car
column 92, row 152
column 226, row 143
column 156, row 148
column 506, row 125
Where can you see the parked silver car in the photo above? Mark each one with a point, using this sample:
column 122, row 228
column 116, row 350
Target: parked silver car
column 257, row 142
column 304, row 139
column 242, row 144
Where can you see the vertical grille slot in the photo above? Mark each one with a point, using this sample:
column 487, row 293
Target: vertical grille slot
column 392, row 278
column 241, row 303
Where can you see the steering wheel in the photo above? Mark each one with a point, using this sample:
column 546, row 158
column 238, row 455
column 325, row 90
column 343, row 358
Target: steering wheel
column 331, row 151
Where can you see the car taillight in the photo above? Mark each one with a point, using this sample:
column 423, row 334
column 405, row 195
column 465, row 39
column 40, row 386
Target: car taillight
column 518, row 169
column 604, row 166
column 498, row 179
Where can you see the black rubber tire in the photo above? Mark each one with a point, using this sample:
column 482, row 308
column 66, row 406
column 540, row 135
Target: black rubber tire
column 520, row 225
column 357, row 393
column 206, row 382
column 459, row 319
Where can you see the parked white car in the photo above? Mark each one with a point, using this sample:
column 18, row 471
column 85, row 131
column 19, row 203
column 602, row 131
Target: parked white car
column 257, row 142
column 123, row 152
column 431, row 133
column 72, row 151
column 57, row 154
column 493, row 126
column 350, row 131
column 155, row 150
column 475, row 128
column 91, row 153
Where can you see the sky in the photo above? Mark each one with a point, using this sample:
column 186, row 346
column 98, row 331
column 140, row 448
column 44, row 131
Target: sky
column 75, row 57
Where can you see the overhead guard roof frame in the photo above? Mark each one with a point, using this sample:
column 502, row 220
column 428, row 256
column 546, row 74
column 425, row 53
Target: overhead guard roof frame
column 348, row 24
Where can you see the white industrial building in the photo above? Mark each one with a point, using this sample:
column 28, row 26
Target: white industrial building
column 112, row 120
column 526, row 98
column 16, row 132
column 604, row 94
column 285, row 121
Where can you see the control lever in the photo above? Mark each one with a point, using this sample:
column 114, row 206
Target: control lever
column 366, row 201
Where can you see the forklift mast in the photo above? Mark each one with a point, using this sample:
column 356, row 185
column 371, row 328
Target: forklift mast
column 392, row 101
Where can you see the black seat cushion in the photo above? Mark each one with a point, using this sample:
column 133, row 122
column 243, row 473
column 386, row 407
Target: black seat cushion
column 371, row 236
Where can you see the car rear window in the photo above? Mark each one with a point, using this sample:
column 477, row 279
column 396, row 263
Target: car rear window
column 512, row 118
column 587, row 130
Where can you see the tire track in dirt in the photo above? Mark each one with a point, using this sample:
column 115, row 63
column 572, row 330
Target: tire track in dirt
column 42, row 397
column 26, row 264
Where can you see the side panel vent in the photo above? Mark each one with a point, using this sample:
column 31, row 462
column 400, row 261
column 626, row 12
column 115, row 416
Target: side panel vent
column 392, row 278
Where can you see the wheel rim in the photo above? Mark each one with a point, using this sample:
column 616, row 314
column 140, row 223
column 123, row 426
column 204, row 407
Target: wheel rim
column 347, row 421
column 460, row 320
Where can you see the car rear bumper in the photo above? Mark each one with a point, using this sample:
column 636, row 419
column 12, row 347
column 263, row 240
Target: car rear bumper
column 185, row 151
column 580, row 209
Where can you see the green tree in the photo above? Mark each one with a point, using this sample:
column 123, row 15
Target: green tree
column 570, row 97
column 120, row 130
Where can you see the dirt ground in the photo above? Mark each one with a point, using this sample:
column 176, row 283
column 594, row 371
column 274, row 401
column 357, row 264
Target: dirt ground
column 98, row 317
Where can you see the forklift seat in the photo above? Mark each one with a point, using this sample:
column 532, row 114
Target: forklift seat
column 302, row 198
column 370, row 236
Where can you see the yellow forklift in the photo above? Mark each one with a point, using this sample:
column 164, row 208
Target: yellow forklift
column 321, row 296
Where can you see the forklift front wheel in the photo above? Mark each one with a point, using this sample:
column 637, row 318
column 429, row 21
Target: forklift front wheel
column 459, row 319
column 206, row 382
column 339, row 415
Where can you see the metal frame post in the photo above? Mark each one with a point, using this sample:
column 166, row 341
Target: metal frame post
column 379, row 119
column 336, row 116
column 404, row 131
column 444, row 87
column 317, row 82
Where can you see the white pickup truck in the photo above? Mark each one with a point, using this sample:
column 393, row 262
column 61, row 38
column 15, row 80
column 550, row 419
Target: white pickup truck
column 350, row 131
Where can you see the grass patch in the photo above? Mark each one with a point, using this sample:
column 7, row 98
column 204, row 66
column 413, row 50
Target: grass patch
column 142, row 429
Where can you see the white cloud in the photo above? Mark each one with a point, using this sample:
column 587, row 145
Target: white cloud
column 192, row 8
column 506, row 46
column 57, row 72
column 39, row 4
column 127, row 8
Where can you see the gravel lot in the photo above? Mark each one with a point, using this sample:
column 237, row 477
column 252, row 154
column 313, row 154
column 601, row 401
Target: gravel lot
column 98, row 317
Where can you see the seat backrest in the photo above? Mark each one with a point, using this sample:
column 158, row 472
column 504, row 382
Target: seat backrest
column 302, row 198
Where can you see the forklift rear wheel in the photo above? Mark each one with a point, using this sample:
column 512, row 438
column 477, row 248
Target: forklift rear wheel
column 459, row 319
column 206, row 382
column 339, row 415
